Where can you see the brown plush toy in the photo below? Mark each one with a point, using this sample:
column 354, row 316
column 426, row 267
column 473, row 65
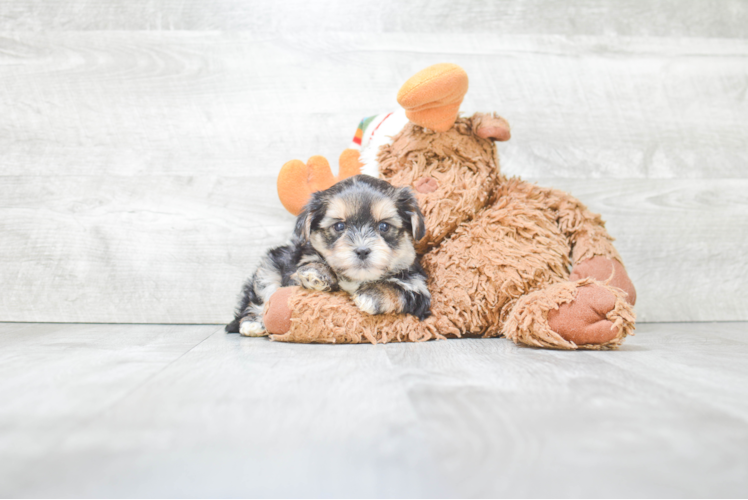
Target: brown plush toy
column 498, row 251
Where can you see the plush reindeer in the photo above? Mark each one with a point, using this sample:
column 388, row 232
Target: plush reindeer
column 504, row 257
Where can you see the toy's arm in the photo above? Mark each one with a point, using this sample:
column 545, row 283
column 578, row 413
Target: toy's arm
column 592, row 252
column 593, row 310
column 585, row 230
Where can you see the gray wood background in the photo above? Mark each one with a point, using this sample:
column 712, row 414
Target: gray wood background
column 140, row 140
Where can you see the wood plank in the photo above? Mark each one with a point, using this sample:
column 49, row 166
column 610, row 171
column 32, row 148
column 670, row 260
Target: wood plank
column 175, row 249
column 510, row 422
column 168, row 249
column 228, row 103
column 726, row 18
column 663, row 417
column 238, row 417
column 686, row 368
column 56, row 378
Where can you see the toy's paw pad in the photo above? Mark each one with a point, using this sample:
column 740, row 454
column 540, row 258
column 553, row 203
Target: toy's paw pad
column 250, row 327
column 315, row 277
column 584, row 319
column 277, row 314
column 603, row 269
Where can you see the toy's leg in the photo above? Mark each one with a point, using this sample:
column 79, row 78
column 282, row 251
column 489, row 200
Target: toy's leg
column 584, row 314
column 296, row 315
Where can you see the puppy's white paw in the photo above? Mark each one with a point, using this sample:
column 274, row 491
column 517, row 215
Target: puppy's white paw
column 252, row 329
column 366, row 303
column 313, row 279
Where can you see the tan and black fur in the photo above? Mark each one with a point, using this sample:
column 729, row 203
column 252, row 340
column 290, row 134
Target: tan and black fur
column 358, row 236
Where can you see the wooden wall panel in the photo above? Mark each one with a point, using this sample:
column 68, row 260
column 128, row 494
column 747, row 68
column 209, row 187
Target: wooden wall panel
column 140, row 140
column 175, row 249
column 152, row 249
column 238, row 104
column 719, row 19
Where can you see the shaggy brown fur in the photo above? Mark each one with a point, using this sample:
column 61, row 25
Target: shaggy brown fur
column 462, row 164
column 497, row 252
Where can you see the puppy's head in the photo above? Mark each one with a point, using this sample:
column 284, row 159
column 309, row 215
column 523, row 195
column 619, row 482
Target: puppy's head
column 364, row 227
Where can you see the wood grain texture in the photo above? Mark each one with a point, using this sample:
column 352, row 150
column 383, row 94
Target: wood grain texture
column 156, row 411
column 137, row 103
column 231, row 418
column 153, row 249
column 515, row 423
column 56, row 378
column 175, row 249
column 138, row 167
column 725, row 18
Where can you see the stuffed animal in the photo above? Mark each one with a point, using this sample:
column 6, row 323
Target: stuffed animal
column 504, row 257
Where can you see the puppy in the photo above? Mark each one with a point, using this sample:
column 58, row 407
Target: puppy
column 357, row 236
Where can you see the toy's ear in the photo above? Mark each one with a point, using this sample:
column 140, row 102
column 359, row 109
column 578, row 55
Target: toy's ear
column 491, row 127
column 297, row 181
column 410, row 213
column 432, row 97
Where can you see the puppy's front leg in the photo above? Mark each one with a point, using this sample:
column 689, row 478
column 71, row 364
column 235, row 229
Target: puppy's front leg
column 317, row 276
column 382, row 297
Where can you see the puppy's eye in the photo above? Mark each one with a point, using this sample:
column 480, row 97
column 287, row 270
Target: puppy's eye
column 383, row 227
column 338, row 226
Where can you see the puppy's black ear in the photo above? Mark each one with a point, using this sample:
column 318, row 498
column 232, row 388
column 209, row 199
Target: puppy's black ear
column 313, row 212
column 301, row 229
column 407, row 208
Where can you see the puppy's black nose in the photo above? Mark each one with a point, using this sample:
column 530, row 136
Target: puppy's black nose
column 363, row 252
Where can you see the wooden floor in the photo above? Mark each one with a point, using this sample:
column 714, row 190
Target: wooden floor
column 186, row 411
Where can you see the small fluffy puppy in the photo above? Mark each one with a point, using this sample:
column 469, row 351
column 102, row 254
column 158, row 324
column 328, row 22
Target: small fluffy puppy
column 357, row 236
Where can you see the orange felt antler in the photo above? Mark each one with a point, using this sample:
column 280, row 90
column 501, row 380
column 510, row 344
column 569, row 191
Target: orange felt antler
column 432, row 97
column 297, row 181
